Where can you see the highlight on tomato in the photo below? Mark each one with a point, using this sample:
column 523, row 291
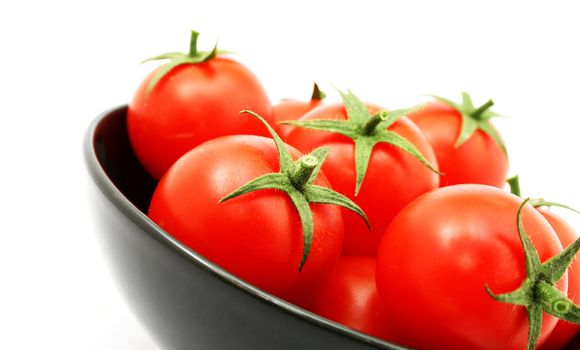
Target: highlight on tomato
column 192, row 98
column 379, row 159
column 256, row 207
column 468, row 147
column 457, row 269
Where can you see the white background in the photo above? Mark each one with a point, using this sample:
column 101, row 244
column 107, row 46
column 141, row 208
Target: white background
column 62, row 63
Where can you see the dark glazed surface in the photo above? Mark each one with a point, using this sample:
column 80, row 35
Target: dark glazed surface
column 184, row 301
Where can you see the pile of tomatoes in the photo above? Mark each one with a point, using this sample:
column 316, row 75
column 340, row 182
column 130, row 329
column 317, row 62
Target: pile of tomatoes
column 391, row 222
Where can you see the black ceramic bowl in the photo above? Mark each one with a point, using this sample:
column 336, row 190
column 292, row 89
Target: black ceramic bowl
column 185, row 301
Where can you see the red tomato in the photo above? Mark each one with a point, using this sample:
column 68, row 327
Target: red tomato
column 256, row 236
column 349, row 296
column 191, row 104
column 478, row 160
column 564, row 331
column 290, row 109
column 392, row 180
column 439, row 254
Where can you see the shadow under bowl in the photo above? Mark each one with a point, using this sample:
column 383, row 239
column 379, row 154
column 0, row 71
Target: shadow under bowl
column 183, row 300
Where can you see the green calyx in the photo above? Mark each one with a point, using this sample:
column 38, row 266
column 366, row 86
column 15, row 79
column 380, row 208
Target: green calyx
column 296, row 179
column 178, row 58
column 537, row 293
column 473, row 119
column 366, row 131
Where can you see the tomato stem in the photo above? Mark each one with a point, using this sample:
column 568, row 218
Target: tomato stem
column 484, row 107
column 370, row 126
column 317, row 94
column 514, row 183
column 193, row 44
column 305, row 168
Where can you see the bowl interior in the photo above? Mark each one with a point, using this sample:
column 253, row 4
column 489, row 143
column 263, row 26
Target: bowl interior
column 115, row 155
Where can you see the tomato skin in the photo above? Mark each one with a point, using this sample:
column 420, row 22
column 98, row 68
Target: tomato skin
column 564, row 331
column 479, row 160
column 257, row 236
column 290, row 109
column 393, row 178
column 442, row 250
column 193, row 103
column 349, row 296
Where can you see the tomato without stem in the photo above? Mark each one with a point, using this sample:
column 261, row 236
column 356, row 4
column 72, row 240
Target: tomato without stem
column 479, row 159
column 393, row 176
column 192, row 103
column 440, row 253
column 349, row 296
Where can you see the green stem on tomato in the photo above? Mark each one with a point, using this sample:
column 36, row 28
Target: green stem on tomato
column 193, row 43
column 371, row 125
column 484, row 107
column 304, row 169
column 514, row 183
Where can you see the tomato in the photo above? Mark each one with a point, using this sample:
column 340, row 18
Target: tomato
column 480, row 159
column 393, row 177
column 440, row 253
column 564, row 331
column 349, row 296
column 190, row 104
column 257, row 236
column 242, row 202
column 290, row 109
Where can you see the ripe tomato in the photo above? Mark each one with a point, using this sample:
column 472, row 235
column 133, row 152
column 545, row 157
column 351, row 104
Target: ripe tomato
column 440, row 253
column 349, row 296
column 564, row 331
column 393, row 177
column 479, row 159
column 290, row 109
column 257, row 236
column 190, row 104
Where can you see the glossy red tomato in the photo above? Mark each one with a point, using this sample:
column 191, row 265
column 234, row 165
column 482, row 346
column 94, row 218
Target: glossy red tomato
column 257, row 236
column 564, row 331
column 349, row 296
column 290, row 109
column 191, row 104
column 392, row 180
column 439, row 254
column 478, row 160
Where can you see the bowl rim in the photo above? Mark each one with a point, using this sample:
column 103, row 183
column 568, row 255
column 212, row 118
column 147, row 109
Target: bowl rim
column 108, row 188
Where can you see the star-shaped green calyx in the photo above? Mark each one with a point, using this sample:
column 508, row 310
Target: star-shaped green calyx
column 537, row 292
column 366, row 131
column 296, row 179
column 179, row 58
column 473, row 119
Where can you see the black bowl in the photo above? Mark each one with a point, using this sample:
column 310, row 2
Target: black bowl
column 182, row 299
